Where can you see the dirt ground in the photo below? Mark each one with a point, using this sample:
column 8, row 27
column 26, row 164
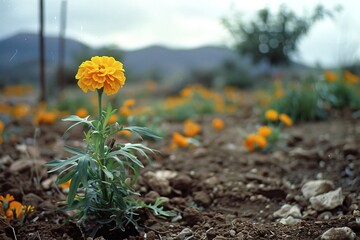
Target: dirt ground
column 219, row 190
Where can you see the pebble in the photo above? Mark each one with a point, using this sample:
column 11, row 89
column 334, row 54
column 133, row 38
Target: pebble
column 341, row 233
column 287, row 210
column 202, row 198
column 186, row 232
column 159, row 185
column 327, row 201
column 316, row 187
column 232, row 233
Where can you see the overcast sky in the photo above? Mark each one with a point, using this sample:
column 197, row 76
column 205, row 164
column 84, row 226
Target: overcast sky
column 135, row 24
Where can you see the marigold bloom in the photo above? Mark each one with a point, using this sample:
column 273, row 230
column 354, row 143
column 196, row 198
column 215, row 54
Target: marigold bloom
column 125, row 111
column 101, row 72
column 285, row 119
column 179, row 140
column 82, row 112
column 1, row 126
column 43, row 117
column 125, row 133
column 271, row 115
column 191, row 128
column 264, row 131
column 261, row 141
column 20, row 110
column 129, row 103
column 330, row 76
column 249, row 142
column 350, row 77
column 65, row 185
column 113, row 119
column 8, row 205
column 218, row 124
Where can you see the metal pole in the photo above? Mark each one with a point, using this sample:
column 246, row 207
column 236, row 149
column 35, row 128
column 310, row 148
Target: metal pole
column 61, row 67
column 42, row 54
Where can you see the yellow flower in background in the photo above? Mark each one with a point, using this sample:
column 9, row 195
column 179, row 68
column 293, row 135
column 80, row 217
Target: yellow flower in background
column 272, row 115
column 125, row 111
column 330, row 76
column 264, row 131
column 125, row 133
column 191, row 128
column 129, row 103
column 179, row 140
column 20, row 111
column 2, row 125
column 44, row 117
column 350, row 77
column 249, row 142
column 285, row 119
column 101, row 72
column 82, row 112
column 113, row 119
column 261, row 141
column 218, row 124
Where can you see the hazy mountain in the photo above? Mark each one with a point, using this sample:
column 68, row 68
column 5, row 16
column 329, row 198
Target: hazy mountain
column 19, row 58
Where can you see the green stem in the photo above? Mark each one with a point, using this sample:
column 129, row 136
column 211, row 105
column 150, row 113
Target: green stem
column 102, row 143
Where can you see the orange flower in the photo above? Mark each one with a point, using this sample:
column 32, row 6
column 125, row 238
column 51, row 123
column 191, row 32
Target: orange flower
column 8, row 206
column 65, row 185
column 125, row 111
column 285, row 119
column 82, row 112
column 191, row 129
column 113, row 119
column 125, row 133
column 271, row 115
column 249, row 142
column 2, row 125
column 101, row 72
column 350, row 77
column 20, row 110
column 179, row 140
column 264, row 131
column 129, row 103
column 260, row 141
column 330, row 76
column 43, row 117
column 218, row 124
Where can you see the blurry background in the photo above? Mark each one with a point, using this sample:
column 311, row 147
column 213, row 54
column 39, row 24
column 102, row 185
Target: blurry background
column 173, row 42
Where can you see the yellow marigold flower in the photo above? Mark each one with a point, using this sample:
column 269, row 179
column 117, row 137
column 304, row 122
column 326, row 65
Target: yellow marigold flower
column 330, row 76
column 101, row 72
column 82, row 112
column 20, row 110
column 113, row 119
column 285, row 119
column 261, row 141
column 2, row 125
column 43, row 117
column 350, row 77
column 179, row 140
column 218, row 124
column 65, row 185
column 249, row 142
column 264, row 131
column 129, row 103
column 125, row 111
column 271, row 115
column 191, row 129
column 8, row 205
column 125, row 133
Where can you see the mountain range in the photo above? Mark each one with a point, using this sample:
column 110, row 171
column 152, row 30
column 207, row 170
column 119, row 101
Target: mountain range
column 19, row 56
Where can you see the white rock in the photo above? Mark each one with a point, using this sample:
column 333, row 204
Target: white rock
column 167, row 174
column 341, row 233
column 316, row 187
column 289, row 220
column 186, row 232
column 288, row 210
column 327, row 201
column 160, row 185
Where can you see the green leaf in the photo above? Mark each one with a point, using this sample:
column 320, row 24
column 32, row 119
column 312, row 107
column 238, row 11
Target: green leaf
column 142, row 131
column 68, row 175
column 74, row 150
column 74, row 185
column 127, row 155
column 83, row 170
column 78, row 120
column 159, row 211
column 58, row 164
column 108, row 173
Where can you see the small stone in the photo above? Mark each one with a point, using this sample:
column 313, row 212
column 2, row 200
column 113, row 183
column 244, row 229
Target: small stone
column 325, row 215
column 25, row 164
column 202, row 198
column 211, row 182
column 316, row 187
column 181, row 182
column 289, row 220
column 186, row 232
column 288, row 210
column 151, row 235
column 47, row 183
column 232, row 233
column 327, row 201
column 341, row 233
column 160, row 185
